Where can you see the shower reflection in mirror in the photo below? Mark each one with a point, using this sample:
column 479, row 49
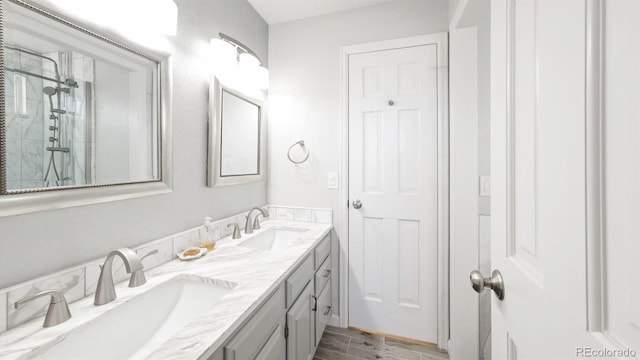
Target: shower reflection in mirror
column 78, row 110
column 41, row 101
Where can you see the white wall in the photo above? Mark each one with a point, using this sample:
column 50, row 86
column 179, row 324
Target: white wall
column 40, row 243
column 112, row 123
column 304, row 94
column 453, row 6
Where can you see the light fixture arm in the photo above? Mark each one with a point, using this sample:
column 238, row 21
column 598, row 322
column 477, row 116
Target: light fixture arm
column 239, row 45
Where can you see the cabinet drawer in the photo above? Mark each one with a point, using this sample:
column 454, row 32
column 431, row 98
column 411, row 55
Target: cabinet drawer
column 322, row 276
column 322, row 250
column 299, row 280
column 258, row 331
column 323, row 311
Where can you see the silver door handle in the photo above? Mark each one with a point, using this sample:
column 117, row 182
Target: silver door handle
column 495, row 283
column 357, row 204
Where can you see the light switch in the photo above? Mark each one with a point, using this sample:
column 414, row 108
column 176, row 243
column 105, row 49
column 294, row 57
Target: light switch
column 485, row 186
column 332, row 180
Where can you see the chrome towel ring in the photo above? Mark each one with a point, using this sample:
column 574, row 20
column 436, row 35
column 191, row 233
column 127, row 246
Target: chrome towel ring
column 303, row 146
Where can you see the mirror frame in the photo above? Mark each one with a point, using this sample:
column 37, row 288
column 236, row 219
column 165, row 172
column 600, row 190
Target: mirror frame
column 26, row 201
column 214, row 144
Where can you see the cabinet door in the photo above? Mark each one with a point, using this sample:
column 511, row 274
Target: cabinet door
column 259, row 331
column 275, row 347
column 300, row 324
column 323, row 312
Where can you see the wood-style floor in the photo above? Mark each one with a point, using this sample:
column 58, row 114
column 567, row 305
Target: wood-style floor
column 348, row 344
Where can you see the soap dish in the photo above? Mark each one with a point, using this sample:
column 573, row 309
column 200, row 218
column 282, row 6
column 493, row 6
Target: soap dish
column 201, row 252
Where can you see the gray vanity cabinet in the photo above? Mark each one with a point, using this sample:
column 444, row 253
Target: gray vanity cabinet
column 300, row 326
column 290, row 323
column 322, row 288
column 262, row 337
column 310, row 309
column 322, row 312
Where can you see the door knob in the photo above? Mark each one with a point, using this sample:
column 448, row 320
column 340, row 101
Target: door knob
column 357, row 204
column 495, row 283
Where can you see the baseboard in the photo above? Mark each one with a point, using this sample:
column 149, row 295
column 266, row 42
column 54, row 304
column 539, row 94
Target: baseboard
column 335, row 320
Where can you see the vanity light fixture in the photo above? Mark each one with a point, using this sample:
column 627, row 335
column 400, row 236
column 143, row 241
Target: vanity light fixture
column 233, row 58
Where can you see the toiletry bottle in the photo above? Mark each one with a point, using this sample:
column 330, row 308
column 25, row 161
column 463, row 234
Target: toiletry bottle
column 207, row 238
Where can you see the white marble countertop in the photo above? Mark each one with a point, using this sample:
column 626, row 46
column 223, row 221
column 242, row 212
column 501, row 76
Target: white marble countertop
column 256, row 272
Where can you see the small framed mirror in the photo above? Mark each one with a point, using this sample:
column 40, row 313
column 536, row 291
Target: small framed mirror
column 236, row 137
column 82, row 113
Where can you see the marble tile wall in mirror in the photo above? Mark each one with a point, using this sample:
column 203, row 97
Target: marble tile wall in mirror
column 78, row 110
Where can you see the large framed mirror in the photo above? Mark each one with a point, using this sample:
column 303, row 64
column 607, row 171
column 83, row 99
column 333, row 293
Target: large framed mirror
column 84, row 118
column 236, row 136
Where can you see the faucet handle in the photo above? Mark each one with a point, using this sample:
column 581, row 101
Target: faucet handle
column 236, row 231
column 152, row 252
column 137, row 277
column 58, row 311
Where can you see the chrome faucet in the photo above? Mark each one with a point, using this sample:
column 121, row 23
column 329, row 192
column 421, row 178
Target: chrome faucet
column 248, row 229
column 106, row 291
column 58, row 311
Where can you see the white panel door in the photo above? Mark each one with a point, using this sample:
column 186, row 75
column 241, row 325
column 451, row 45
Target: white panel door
column 393, row 172
column 538, row 159
column 622, row 149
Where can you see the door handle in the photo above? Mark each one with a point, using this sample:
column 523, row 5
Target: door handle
column 495, row 283
column 357, row 204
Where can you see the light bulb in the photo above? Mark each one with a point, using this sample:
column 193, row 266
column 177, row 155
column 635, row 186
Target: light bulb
column 248, row 60
column 262, row 77
column 225, row 57
column 252, row 72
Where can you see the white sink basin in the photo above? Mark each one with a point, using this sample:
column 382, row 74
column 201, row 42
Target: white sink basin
column 137, row 327
column 274, row 239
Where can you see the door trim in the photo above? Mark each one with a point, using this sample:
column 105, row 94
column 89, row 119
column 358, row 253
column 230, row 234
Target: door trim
column 441, row 41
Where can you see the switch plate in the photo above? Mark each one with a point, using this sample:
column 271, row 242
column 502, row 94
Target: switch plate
column 332, row 180
column 485, row 186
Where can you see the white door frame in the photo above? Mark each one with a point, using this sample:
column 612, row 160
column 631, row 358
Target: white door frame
column 464, row 228
column 441, row 41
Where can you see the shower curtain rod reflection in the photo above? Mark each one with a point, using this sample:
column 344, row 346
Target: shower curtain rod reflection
column 67, row 82
column 55, row 64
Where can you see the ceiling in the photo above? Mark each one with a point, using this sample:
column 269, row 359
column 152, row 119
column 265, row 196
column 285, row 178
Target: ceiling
column 278, row 11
